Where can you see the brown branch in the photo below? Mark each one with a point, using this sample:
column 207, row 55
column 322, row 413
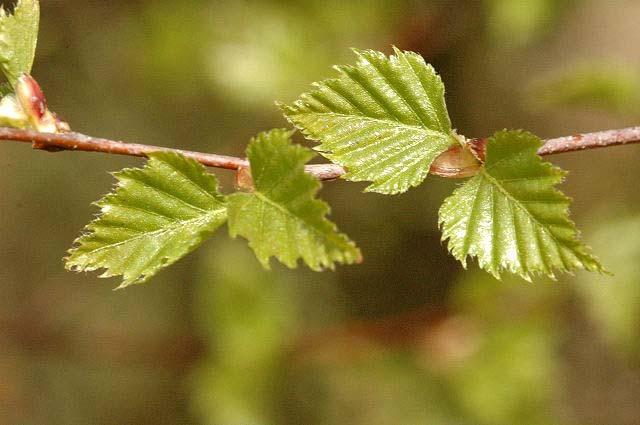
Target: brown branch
column 436, row 336
column 600, row 139
column 36, row 335
column 79, row 142
column 55, row 142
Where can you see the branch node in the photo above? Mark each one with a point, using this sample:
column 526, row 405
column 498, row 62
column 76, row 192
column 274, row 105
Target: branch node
column 244, row 180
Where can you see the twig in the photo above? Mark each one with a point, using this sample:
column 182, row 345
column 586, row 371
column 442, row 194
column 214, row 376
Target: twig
column 600, row 139
column 79, row 142
column 54, row 142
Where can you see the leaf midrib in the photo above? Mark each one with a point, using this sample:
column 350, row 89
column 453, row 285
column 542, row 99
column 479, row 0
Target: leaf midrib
column 391, row 122
column 165, row 229
column 191, row 181
column 518, row 204
column 298, row 219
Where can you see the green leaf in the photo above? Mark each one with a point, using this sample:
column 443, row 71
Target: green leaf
column 18, row 38
column 384, row 119
column 155, row 216
column 511, row 217
column 281, row 217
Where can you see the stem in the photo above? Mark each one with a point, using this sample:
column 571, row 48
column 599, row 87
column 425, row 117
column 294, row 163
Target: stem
column 54, row 142
column 600, row 139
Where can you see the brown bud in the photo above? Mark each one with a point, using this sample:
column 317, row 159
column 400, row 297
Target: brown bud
column 456, row 162
column 30, row 96
column 478, row 148
column 244, row 180
column 34, row 104
column 61, row 126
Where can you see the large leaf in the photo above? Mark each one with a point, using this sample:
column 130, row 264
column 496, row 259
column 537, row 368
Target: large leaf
column 384, row 119
column 281, row 216
column 155, row 216
column 18, row 38
column 511, row 217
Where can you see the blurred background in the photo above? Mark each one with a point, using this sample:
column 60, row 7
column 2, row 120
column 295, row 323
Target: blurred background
column 408, row 337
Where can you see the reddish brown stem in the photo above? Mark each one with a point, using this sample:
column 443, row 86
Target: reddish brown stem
column 600, row 139
column 79, row 142
column 55, row 142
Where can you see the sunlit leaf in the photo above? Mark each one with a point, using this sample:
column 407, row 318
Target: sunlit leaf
column 511, row 217
column 18, row 38
column 384, row 119
column 155, row 216
column 281, row 217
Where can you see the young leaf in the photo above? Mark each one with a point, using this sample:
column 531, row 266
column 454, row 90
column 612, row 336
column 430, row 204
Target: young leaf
column 157, row 215
column 384, row 119
column 511, row 217
column 281, row 216
column 18, row 38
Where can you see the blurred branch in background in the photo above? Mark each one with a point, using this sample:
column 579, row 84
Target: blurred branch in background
column 118, row 347
column 445, row 335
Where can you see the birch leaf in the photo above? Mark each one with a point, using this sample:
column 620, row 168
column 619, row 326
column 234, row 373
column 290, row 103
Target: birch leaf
column 156, row 215
column 281, row 217
column 510, row 215
column 385, row 119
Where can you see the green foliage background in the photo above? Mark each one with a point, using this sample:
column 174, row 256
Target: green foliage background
column 406, row 337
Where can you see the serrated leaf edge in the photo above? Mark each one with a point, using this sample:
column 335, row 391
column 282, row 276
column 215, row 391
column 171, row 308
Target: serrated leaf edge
column 585, row 256
column 120, row 176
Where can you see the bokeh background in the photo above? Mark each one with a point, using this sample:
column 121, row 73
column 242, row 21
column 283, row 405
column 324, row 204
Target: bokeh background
column 408, row 337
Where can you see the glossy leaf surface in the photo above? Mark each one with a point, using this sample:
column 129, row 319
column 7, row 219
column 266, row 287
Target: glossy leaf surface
column 384, row 119
column 511, row 217
column 281, row 217
column 155, row 216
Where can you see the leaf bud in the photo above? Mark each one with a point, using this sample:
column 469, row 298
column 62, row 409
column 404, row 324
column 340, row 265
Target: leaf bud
column 34, row 105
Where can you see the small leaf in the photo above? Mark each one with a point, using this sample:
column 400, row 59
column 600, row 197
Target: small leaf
column 511, row 217
column 18, row 38
column 384, row 119
column 281, row 217
column 157, row 215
